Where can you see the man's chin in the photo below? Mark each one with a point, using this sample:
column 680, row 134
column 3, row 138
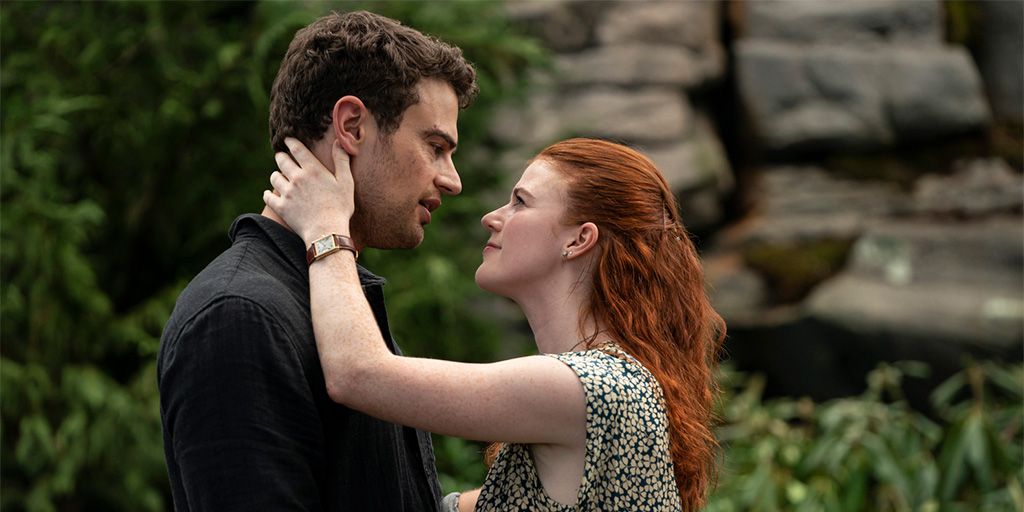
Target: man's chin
column 408, row 240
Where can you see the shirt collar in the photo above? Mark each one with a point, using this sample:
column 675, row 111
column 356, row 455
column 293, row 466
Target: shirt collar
column 289, row 244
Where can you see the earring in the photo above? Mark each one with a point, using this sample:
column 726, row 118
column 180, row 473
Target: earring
column 566, row 254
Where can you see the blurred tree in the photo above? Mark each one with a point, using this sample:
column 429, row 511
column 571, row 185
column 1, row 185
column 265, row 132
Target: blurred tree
column 132, row 134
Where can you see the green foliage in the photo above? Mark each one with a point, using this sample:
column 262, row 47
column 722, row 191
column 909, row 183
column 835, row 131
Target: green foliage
column 873, row 453
column 460, row 463
column 132, row 134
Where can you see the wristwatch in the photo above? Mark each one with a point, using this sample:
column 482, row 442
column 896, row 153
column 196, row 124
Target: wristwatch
column 329, row 244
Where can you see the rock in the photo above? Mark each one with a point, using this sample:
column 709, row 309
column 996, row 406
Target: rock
column 649, row 114
column 813, row 98
column 698, row 171
column 642, row 115
column 845, row 23
column 932, row 288
column 829, row 97
column 985, row 252
column 802, row 190
column 563, row 26
column 635, row 64
column 693, row 25
column 912, row 290
column 800, row 204
column 690, row 24
column 513, row 121
column 934, row 93
column 925, row 321
column 698, row 162
column 1000, row 48
column 737, row 293
column 672, row 42
column 977, row 187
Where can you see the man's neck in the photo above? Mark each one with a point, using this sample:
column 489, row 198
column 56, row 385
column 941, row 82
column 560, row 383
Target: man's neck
column 269, row 213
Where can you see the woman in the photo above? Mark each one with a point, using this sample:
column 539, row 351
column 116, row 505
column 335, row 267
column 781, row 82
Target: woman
column 616, row 413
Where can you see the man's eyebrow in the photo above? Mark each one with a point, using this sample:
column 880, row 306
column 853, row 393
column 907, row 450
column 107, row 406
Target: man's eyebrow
column 444, row 135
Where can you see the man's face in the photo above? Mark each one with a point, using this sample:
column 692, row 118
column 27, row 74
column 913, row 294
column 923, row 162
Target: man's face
column 403, row 176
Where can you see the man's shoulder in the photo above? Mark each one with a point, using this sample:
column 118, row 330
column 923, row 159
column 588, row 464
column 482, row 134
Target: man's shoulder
column 244, row 275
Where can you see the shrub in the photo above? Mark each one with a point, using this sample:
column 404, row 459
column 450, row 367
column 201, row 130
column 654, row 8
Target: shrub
column 874, row 453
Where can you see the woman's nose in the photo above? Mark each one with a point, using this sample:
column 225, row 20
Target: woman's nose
column 492, row 221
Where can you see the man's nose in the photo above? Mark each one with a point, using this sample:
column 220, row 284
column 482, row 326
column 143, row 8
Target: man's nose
column 448, row 180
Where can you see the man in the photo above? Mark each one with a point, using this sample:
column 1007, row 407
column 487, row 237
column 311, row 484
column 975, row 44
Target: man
column 246, row 418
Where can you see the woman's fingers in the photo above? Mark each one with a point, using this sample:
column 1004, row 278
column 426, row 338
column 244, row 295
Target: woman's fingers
column 303, row 156
column 278, row 180
column 298, row 150
column 306, row 194
column 270, row 198
column 341, row 161
column 285, row 164
column 340, row 155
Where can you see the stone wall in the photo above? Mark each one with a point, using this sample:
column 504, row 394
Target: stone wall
column 853, row 75
column 824, row 268
column 630, row 71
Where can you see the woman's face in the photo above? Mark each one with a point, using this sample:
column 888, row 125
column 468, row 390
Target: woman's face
column 527, row 236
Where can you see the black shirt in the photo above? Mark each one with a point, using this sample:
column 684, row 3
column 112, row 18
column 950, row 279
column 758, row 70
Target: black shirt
column 247, row 423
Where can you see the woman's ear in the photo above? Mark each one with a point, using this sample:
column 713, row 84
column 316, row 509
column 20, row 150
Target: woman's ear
column 585, row 239
column 349, row 123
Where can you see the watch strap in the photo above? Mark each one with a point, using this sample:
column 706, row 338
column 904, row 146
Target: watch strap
column 329, row 244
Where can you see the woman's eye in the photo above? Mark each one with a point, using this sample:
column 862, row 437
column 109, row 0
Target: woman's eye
column 518, row 200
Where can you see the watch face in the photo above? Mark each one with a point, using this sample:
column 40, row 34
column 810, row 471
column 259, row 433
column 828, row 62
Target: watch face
column 323, row 245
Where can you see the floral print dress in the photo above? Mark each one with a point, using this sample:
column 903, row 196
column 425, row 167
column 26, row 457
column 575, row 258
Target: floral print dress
column 628, row 466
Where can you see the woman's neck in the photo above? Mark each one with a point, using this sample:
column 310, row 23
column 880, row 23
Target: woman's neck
column 556, row 323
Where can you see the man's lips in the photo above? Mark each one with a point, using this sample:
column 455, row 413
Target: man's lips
column 429, row 205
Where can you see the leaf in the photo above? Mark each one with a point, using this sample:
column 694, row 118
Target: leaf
column 35, row 448
column 944, row 393
column 977, row 449
column 1008, row 379
column 853, row 492
column 953, row 461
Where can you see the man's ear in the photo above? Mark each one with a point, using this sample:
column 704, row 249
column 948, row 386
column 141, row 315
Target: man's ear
column 349, row 123
column 585, row 239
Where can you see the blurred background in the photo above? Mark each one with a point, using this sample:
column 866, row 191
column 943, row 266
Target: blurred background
column 850, row 170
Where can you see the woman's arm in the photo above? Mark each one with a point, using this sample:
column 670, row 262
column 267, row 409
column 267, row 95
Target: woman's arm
column 529, row 400
column 467, row 501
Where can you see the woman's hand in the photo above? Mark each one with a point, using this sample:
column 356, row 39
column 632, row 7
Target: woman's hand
column 311, row 200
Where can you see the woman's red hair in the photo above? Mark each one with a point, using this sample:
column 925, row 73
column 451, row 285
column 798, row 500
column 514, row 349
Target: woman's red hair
column 648, row 291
